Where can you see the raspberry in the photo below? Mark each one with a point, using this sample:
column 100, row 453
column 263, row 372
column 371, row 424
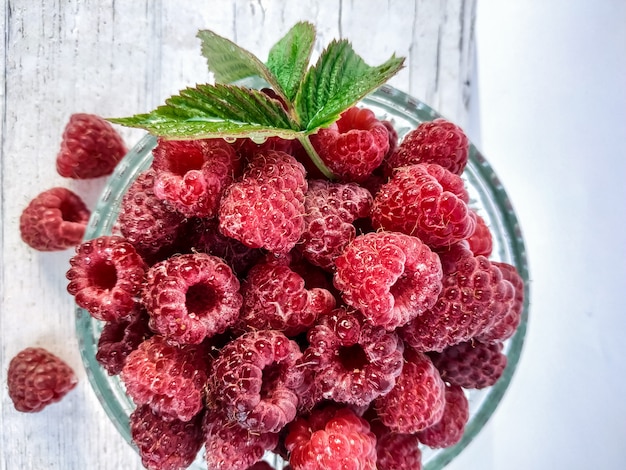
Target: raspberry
column 106, row 276
column 262, row 465
column 170, row 379
column 165, row 444
column 331, row 437
column 54, row 220
column 265, row 209
column 389, row 277
column 90, row 147
column 149, row 223
column 393, row 137
column 438, row 141
column 193, row 174
column 506, row 326
column 275, row 298
column 231, row 447
column 354, row 146
column 121, row 337
column 427, row 201
column 353, row 362
column 396, row 451
column 254, row 378
column 417, row 401
column 36, row 378
column 450, row 428
column 191, row 297
column 481, row 241
column 471, row 364
column 473, row 298
column 330, row 209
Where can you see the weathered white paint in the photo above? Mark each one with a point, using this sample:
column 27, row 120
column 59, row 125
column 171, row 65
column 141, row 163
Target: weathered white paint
column 118, row 58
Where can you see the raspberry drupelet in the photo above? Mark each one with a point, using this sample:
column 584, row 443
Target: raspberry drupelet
column 450, row 428
column 54, row 220
column 106, row 276
column 191, row 297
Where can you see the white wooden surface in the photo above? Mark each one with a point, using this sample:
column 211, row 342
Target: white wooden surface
column 116, row 58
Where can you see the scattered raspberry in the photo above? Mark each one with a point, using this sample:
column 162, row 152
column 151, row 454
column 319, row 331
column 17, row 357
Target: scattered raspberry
column 254, row 378
column 389, row 277
column 191, row 297
column 417, row 401
column 438, row 141
column 231, row 447
column 331, row 437
column 36, row 378
column 121, row 337
column 165, row 444
column 473, row 298
column 330, row 209
column 193, row 174
column 354, row 146
column 170, row 379
column 450, row 428
column 427, row 201
column 265, row 209
column 352, row 361
column 471, row 364
column 90, row 147
column 54, row 220
column 481, row 242
column 106, row 277
column 275, row 298
column 149, row 223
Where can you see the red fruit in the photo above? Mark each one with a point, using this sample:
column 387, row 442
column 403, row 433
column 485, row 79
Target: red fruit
column 417, row 401
column 450, row 428
column 165, row 444
column 191, row 297
column 106, row 276
column 331, row 438
column 389, row 277
column 90, row 147
column 354, row 146
column 481, row 241
column 36, row 378
column 54, row 220
column 427, row 201
column 396, row 451
column 439, row 141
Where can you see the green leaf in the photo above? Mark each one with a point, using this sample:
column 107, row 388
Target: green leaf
column 289, row 58
column 339, row 79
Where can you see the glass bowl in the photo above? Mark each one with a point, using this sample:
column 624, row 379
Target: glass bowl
column 487, row 196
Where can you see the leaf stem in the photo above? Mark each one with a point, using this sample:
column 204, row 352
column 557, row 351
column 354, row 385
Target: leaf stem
column 315, row 158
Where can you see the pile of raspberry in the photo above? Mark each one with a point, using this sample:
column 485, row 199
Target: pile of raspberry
column 251, row 305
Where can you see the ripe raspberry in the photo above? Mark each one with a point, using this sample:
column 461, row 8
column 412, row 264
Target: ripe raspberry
column 427, row 201
column 193, row 174
column 275, row 298
column 254, row 378
column 481, row 241
column 170, row 379
column 121, row 337
column 417, row 401
column 191, row 297
column 438, row 141
column 389, row 277
column 263, row 465
column 396, row 451
column 150, row 224
column 506, row 326
column 231, row 447
column 331, row 437
column 36, row 378
column 471, row 364
column 474, row 297
column 90, row 147
column 330, row 209
column 265, row 209
column 450, row 428
column 393, row 137
column 165, row 444
column 351, row 361
column 106, row 276
column 54, row 220
column 354, row 146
